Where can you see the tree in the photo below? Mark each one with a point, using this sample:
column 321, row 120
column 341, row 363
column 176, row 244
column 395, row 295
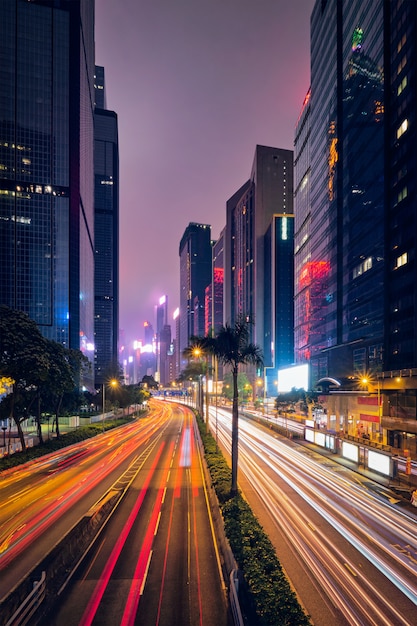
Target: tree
column 243, row 385
column 23, row 357
column 149, row 382
column 66, row 368
column 232, row 348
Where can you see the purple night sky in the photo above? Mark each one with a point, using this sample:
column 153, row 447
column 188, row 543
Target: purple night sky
column 196, row 85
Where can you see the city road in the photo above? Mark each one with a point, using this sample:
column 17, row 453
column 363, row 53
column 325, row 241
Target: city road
column 346, row 543
column 156, row 560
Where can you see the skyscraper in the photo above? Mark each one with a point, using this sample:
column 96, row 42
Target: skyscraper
column 195, row 275
column 340, row 240
column 355, row 278
column 46, row 166
column 106, row 234
column 258, row 251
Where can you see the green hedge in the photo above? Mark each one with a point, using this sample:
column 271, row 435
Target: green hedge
column 275, row 602
column 64, row 440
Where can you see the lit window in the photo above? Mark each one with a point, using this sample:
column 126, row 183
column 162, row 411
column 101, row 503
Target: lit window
column 402, row 260
column 284, row 229
column 402, row 86
column 402, row 64
column 401, row 129
column 401, row 43
column 402, row 194
column 362, row 267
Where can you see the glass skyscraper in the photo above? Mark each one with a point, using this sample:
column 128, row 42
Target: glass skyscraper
column 106, row 234
column 195, row 275
column 355, row 205
column 258, row 252
column 340, row 260
column 46, row 166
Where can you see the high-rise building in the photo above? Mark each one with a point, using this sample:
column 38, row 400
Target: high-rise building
column 305, row 269
column 400, row 70
column 106, row 234
column 195, row 275
column 340, row 170
column 46, row 166
column 163, row 339
column 356, row 171
column 258, row 252
column 216, row 315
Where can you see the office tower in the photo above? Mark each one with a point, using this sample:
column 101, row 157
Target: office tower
column 161, row 314
column 360, row 235
column 342, row 272
column 216, row 316
column 46, row 167
column 164, row 349
column 100, row 88
column 400, row 346
column 163, row 338
column 305, row 270
column 258, row 251
column 106, row 235
column 195, row 275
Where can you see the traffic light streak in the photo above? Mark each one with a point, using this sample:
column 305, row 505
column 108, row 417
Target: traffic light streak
column 143, row 562
column 102, row 583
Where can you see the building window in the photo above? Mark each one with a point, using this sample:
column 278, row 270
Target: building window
column 402, row 194
column 362, row 267
column 402, row 260
column 402, row 86
column 401, row 129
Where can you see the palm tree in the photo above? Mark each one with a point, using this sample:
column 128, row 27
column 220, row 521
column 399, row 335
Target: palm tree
column 232, row 348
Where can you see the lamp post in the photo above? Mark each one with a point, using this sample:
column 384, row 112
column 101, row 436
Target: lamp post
column 103, row 399
column 198, row 352
column 113, row 383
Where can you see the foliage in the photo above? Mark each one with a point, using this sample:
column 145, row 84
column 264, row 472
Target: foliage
column 67, row 439
column 286, row 401
column 232, row 348
column 243, row 385
column 43, row 371
column 149, row 382
column 275, row 602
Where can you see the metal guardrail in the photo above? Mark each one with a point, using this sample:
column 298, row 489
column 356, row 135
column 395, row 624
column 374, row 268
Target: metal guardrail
column 234, row 599
column 28, row 607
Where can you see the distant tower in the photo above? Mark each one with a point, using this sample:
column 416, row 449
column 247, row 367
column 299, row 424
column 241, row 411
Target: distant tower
column 195, row 275
column 163, row 338
column 258, row 252
column 106, row 233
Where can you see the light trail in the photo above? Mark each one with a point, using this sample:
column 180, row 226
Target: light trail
column 102, row 583
column 367, row 521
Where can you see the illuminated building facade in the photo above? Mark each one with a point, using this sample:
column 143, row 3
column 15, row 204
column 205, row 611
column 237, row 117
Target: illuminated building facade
column 163, row 340
column 303, row 268
column 195, row 275
column 355, row 205
column 340, row 193
column 214, row 291
column 46, row 167
column 258, row 253
column 106, row 234
column 400, row 347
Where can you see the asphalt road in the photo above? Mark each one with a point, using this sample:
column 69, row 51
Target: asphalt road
column 347, row 543
column 156, row 561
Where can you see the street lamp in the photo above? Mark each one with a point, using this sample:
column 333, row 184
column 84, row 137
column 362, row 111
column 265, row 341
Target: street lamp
column 113, row 383
column 198, row 352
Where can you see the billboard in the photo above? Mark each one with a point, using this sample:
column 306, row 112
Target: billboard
column 296, row 376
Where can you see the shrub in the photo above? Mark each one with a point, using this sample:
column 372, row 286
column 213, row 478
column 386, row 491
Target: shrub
column 270, row 591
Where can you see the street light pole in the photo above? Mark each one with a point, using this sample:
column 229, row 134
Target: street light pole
column 104, row 404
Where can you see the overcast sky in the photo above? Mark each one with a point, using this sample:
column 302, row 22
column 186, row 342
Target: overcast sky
column 196, row 85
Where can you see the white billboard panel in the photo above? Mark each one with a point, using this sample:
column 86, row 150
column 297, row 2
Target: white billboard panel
column 290, row 377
